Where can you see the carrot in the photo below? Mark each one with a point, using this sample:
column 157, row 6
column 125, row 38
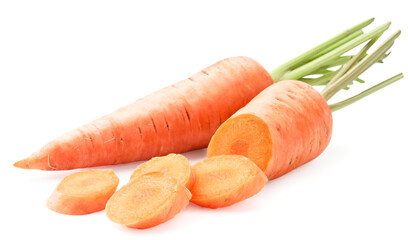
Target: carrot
column 83, row 192
column 147, row 201
column 283, row 127
column 178, row 118
column 225, row 180
column 290, row 123
column 174, row 165
column 184, row 116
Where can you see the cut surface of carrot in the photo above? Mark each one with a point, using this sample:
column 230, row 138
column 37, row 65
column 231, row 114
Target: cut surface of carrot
column 225, row 180
column 174, row 165
column 246, row 135
column 285, row 126
column 83, row 192
column 148, row 200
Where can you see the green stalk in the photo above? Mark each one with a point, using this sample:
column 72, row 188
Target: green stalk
column 320, row 80
column 344, row 103
column 319, row 62
column 359, row 68
column 334, row 46
column 340, row 61
column 356, row 58
column 336, row 62
column 278, row 72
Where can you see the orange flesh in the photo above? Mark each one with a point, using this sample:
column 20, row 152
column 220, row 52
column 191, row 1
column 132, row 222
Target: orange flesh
column 225, row 180
column 174, row 165
column 147, row 201
column 83, row 192
column 245, row 135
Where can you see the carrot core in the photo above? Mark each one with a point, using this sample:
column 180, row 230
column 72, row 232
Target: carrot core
column 240, row 147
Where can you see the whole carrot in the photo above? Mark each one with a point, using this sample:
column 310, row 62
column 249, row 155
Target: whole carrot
column 175, row 119
column 290, row 123
column 184, row 116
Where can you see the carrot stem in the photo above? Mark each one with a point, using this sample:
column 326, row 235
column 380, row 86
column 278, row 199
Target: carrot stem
column 307, row 56
column 344, row 103
column 336, row 85
column 338, row 61
column 323, row 80
column 355, row 59
column 317, row 63
column 335, row 45
column 335, row 63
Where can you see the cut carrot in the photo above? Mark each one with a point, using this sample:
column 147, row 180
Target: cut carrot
column 83, row 192
column 147, row 200
column 290, row 123
column 184, row 116
column 285, row 126
column 174, row 165
column 225, row 180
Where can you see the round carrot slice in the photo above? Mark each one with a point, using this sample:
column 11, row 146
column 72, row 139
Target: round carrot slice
column 174, row 165
column 224, row 180
column 83, row 192
column 148, row 200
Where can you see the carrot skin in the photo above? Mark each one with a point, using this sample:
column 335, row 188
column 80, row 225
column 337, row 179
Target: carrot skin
column 175, row 119
column 285, row 126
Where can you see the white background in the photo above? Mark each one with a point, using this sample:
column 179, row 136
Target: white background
column 65, row 63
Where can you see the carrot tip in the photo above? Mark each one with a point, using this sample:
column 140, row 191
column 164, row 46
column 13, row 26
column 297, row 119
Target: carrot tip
column 21, row 164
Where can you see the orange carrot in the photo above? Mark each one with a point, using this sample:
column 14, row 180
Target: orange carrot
column 290, row 123
column 184, row 116
column 285, row 126
column 148, row 200
column 174, row 165
column 178, row 118
column 225, row 180
column 83, row 192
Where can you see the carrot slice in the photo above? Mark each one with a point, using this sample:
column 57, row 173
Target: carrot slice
column 225, row 180
column 147, row 201
column 174, row 165
column 83, row 192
